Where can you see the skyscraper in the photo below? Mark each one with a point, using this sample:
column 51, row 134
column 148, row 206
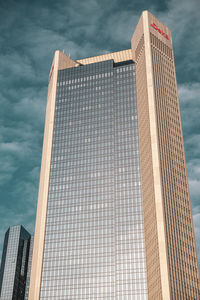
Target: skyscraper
column 114, row 216
column 14, row 263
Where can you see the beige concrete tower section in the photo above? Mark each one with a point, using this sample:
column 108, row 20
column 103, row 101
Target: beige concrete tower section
column 154, row 223
column 179, row 230
column 171, row 257
column 118, row 56
column 60, row 61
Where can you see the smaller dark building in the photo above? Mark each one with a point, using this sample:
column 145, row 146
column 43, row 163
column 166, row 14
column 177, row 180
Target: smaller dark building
column 29, row 268
column 14, row 263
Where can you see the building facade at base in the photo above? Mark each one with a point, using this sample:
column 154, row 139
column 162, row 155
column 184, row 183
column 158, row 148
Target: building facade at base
column 114, row 216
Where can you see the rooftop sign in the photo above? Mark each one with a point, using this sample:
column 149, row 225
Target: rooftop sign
column 159, row 30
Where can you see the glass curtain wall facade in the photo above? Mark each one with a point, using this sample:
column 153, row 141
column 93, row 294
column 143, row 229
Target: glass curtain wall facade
column 94, row 240
column 14, row 263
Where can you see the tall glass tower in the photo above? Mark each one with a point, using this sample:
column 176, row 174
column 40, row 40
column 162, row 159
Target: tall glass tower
column 114, row 217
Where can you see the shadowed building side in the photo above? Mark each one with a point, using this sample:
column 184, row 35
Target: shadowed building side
column 29, row 268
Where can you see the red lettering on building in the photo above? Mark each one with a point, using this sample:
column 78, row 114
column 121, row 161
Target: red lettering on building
column 159, row 30
column 51, row 72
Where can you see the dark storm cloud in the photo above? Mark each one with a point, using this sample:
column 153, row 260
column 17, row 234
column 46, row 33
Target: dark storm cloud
column 30, row 33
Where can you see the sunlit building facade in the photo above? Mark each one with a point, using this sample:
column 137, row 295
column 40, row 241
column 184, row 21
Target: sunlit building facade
column 114, row 215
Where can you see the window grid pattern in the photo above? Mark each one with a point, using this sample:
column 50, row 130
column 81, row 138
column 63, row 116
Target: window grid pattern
column 15, row 267
column 148, row 193
column 94, row 240
column 183, row 265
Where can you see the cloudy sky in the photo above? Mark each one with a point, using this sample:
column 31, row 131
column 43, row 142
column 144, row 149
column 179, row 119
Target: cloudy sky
column 30, row 32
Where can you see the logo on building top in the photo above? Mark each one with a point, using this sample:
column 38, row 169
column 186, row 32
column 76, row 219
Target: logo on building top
column 51, row 72
column 159, row 30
